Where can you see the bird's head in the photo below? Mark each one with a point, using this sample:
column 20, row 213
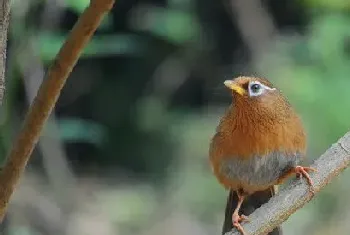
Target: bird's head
column 257, row 95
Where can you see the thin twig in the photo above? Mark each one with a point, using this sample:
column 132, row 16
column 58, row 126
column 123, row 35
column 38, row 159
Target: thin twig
column 47, row 96
column 296, row 195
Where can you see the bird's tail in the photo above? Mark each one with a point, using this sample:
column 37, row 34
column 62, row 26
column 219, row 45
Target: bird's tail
column 250, row 204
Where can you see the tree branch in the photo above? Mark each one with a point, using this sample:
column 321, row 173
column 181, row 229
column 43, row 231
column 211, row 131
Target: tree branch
column 296, row 195
column 47, row 96
column 4, row 23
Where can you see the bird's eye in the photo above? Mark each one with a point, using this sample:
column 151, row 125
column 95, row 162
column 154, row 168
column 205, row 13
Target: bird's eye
column 255, row 88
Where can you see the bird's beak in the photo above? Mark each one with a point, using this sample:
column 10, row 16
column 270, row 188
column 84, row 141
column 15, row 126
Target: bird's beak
column 233, row 86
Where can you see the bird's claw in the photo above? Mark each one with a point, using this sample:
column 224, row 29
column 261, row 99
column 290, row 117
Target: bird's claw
column 302, row 171
column 236, row 222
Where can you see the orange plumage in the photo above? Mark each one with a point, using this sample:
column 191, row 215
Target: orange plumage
column 259, row 141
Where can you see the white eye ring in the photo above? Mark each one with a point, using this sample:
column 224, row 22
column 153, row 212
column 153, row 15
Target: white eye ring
column 255, row 88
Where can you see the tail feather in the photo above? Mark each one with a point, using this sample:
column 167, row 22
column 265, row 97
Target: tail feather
column 250, row 204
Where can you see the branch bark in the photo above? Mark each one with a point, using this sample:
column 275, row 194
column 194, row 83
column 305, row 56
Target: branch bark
column 296, row 195
column 4, row 23
column 47, row 96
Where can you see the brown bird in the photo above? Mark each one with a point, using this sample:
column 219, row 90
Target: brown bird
column 259, row 143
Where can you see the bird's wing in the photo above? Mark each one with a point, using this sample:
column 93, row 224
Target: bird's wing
column 250, row 204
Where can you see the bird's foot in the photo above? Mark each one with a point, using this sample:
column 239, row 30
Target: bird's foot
column 236, row 222
column 302, row 171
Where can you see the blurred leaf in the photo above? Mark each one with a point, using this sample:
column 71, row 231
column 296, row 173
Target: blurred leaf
column 49, row 44
column 334, row 4
column 79, row 130
column 77, row 5
column 175, row 25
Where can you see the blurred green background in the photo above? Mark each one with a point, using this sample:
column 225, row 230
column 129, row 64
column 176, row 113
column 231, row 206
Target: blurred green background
column 126, row 149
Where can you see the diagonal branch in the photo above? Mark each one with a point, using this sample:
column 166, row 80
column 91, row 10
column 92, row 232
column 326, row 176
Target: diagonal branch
column 296, row 195
column 47, row 96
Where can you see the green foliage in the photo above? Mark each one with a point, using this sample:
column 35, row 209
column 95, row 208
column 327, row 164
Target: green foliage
column 175, row 26
column 77, row 5
column 80, row 130
column 48, row 44
column 328, row 5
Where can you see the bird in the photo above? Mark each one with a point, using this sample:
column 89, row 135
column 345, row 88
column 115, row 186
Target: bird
column 259, row 142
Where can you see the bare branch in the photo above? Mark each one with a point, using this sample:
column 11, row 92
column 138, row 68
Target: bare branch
column 254, row 23
column 47, row 96
column 4, row 23
column 296, row 195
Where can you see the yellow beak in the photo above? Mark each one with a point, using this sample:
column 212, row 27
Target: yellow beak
column 233, row 86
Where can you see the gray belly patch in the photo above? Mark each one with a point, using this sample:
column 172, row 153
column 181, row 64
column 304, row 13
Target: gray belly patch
column 259, row 170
